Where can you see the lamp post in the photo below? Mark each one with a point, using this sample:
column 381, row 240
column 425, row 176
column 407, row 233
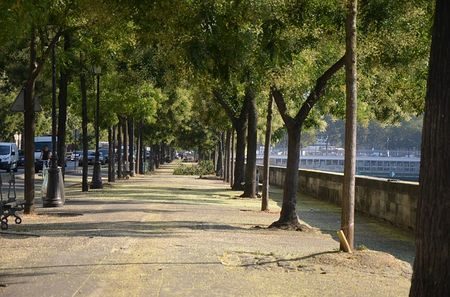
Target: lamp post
column 55, row 188
column 97, row 175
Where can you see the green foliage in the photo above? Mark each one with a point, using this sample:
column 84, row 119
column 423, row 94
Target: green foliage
column 204, row 167
column 162, row 61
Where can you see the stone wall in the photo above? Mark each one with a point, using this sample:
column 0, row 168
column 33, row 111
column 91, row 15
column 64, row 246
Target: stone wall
column 393, row 201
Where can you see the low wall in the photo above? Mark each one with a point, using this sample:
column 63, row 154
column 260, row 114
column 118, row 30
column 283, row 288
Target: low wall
column 393, row 201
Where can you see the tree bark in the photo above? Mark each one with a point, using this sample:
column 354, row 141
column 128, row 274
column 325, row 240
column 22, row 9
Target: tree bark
column 131, row 145
column 239, row 121
column 119, row 149
column 140, row 153
column 348, row 189
column 432, row 262
column 110, row 144
column 126, row 168
column 239, row 166
column 265, row 189
column 29, row 128
column 155, row 151
column 288, row 216
column 161, row 153
column 62, row 117
column 227, row 155
column 250, row 170
column 232, row 160
column 219, row 168
column 84, row 128
column 112, row 153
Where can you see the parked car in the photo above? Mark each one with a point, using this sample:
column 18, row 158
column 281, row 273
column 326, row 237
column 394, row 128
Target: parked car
column 69, row 156
column 76, row 155
column 8, row 156
column 21, row 160
column 105, row 153
column 91, row 158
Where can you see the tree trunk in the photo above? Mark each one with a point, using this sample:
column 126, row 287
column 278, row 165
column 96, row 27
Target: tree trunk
column 232, row 159
column 112, row 154
column 119, row 149
column 432, row 263
column 265, row 189
column 84, row 128
column 239, row 168
column 219, row 162
column 348, row 190
column 110, row 144
column 62, row 117
column 131, row 142
column 156, row 155
column 250, row 170
column 140, row 154
column 288, row 216
column 161, row 153
column 126, row 168
column 227, row 155
column 144, row 160
column 29, row 128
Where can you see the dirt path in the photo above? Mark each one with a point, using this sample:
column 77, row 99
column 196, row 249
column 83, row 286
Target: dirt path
column 165, row 235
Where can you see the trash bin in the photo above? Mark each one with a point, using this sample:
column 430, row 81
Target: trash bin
column 59, row 194
column 44, row 182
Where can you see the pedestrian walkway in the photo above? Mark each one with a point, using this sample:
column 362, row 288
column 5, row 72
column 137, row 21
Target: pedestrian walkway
column 165, row 235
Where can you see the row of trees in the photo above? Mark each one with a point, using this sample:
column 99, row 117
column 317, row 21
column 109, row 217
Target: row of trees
column 202, row 67
column 184, row 72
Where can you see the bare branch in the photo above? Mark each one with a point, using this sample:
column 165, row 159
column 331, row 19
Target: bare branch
column 281, row 104
column 318, row 90
column 41, row 63
column 228, row 109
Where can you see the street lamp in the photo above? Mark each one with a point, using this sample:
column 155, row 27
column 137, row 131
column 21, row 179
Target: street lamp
column 97, row 175
column 55, row 186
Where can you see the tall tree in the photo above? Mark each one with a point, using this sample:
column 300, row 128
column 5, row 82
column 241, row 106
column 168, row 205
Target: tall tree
column 84, row 125
column 125, row 151
column 288, row 216
column 250, row 168
column 348, row 192
column 265, row 189
column 119, row 149
column 62, row 100
column 131, row 158
column 239, row 122
column 432, row 263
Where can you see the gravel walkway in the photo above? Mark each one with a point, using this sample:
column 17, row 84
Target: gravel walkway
column 165, row 235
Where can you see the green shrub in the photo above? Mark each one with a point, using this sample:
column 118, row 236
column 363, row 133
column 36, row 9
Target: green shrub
column 206, row 167
column 185, row 170
column 203, row 168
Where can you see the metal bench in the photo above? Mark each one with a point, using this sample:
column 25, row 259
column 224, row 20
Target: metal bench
column 11, row 206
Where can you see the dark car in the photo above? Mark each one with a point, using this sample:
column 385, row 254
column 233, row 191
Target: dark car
column 91, row 158
column 21, row 159
column 76, row 155
column 105, row 153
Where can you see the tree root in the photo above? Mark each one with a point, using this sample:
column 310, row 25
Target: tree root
column 290, row 226
column 244, row 195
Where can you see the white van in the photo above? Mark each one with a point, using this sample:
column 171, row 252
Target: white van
column 39, row 143
column 8, row 156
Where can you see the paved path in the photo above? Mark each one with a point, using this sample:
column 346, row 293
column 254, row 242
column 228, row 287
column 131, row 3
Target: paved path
column 165, row 235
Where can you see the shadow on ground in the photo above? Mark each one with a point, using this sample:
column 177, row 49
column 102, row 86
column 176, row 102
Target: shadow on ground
column 124, row 228
column 371, row 233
